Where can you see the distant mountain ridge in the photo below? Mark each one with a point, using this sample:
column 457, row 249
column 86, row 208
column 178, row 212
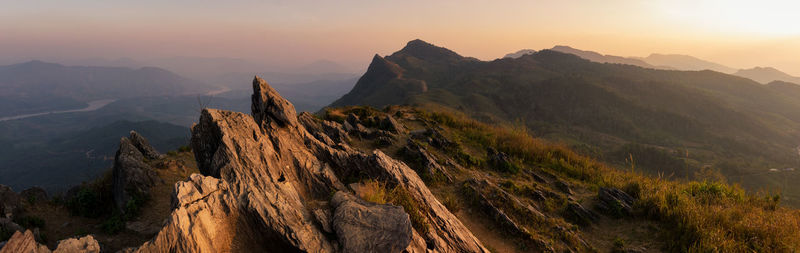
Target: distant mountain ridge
column 685, row 62
column 766, row 75
column 612, row 110
column 597, row 57
column 762, row 75
column 37, row 86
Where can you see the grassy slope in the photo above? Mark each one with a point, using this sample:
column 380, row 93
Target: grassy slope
column 668, row 215
column 610, row 111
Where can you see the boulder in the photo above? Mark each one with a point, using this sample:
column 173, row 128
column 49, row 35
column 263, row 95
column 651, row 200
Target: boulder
column 85, row 244
column 367, row 227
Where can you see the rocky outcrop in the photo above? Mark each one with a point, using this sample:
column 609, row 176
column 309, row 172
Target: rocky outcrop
column 421, row 160
column 25, row 242
column 495, row 201
column 9, row 202
column 614, row 202
column 266, row 181
column 366, row 227
column 132, row 176
column 144, row 146
column 580, row 215
column 86, row 244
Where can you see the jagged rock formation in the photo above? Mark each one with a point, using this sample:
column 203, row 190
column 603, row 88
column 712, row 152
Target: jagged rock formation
column 268, row 181
column 26, row 243
column 144, row 146
column 132, row 176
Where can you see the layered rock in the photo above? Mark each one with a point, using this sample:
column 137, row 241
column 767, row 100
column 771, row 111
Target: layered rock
column 144, row 146
column 132, row 176
column 424, row 162
column 268, row 179
column 25, row 242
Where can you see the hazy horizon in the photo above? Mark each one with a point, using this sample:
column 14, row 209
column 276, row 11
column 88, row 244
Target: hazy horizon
column 292, row 33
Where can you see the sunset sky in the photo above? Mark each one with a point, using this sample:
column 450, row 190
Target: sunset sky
column 736, row 33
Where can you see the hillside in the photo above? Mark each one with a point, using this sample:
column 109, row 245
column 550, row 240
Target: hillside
column 670, row 122
column 37, row 86
column 402, row 179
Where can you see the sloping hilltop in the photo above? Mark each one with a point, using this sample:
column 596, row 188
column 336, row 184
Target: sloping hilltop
column 403, row 179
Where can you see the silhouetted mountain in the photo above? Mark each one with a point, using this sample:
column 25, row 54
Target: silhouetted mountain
column 520, row 53
column 685, row 62
column 766, row 75
column 597, row 57
column 725, row 121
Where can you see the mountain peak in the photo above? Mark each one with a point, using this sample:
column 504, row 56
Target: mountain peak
column 427, row 51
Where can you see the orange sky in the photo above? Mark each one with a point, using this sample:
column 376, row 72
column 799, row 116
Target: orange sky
column 736, row 33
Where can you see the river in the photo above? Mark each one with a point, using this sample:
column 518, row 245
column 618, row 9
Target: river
column 93, row 105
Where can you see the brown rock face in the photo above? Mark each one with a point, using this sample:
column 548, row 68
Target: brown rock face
column 268, row 181
column 26, row 243
column 23, row 243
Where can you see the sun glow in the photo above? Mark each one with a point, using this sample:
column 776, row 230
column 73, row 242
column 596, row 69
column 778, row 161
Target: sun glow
column 777, row 18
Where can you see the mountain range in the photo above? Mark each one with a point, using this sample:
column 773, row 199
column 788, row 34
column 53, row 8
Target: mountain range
column 37, row 86
column 762, row 75
column 672, row 122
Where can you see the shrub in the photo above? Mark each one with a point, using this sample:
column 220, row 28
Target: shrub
column 29, row 221
column 401, row 197
column 85, row 203
column 113, row 225
column 184, row 149
column 5, row 234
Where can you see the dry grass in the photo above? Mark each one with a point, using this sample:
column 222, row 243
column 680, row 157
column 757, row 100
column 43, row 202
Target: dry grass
column 699, row 216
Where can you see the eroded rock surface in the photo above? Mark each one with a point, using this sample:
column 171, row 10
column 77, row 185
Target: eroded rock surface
column 265, row 177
